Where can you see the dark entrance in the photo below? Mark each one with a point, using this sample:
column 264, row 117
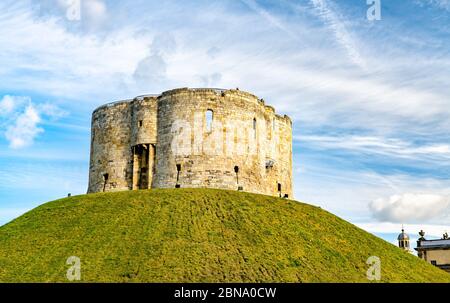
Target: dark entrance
column 143, row 166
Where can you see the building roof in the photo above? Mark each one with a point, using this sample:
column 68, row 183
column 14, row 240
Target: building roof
column 403, row 236
column 434, row 244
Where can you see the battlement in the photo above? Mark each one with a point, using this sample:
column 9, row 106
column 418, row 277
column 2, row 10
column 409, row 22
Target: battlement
column 191, row 137
column 219, row 92
column 112, row 104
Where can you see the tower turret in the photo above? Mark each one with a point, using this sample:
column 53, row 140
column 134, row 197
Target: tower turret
column 403, row 240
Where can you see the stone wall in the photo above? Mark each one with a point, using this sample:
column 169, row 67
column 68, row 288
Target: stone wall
column 110, row 148
column 441, row 256
column 214, row 138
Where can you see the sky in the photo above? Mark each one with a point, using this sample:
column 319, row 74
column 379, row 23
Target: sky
column 367, row 88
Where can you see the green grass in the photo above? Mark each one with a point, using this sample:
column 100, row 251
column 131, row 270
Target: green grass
column 196, row 235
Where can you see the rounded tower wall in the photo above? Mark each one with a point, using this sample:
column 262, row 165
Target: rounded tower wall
column 110, row 152
column 283, row 155
column 143, row 120
column 229, row 153
column 215, row 138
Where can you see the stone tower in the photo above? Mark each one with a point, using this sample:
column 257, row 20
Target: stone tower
column 193, row 138
column 403, row 240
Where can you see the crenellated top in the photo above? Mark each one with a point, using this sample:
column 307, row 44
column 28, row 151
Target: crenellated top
column 112, row 104
column 216, row 91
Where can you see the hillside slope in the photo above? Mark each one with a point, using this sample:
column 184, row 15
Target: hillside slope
column 196, row 235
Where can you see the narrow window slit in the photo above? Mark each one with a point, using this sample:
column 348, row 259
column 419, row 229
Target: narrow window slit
column 178, row 185
column 236, row 171
column 105, row 181
column 209, row 120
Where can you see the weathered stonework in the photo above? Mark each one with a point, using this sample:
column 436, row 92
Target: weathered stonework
column 196, row 138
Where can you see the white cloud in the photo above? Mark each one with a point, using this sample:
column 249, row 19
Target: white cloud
column 95, row 12
column 151, row 71
column 66, row 63
column 25, row 129
column 438, row 152
column 7, row 105
column 87, row 15
column 410, row 208
column 96, row 8
column 210, row 80
column 51, row 110
column 325, row 180
column 21, row 125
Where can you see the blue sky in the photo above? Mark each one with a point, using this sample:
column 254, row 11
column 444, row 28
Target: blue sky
column 370, row 100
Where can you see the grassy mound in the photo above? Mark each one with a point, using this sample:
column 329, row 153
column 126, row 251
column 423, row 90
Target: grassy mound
column 196, row 235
